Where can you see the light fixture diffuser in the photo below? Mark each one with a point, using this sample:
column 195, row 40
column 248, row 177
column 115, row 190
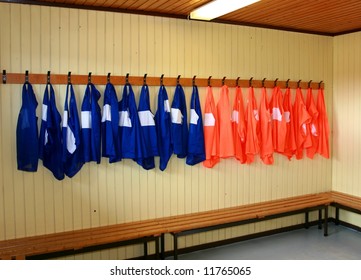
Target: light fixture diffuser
column 219, row 8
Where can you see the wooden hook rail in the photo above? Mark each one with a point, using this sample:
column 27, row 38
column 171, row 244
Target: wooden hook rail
column 62, row 79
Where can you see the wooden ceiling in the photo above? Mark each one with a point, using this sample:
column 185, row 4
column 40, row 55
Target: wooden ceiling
column 325, row 17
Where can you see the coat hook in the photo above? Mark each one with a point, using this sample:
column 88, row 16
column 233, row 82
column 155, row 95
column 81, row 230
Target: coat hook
column 224, row 78
column 127, row 78
column 250, row 82
column 90, row 77
column 48, row 77
column 161, row 80
column 178, row 79
column 298, row 83
column 26, row 76
column 145, row 79
column 209, row 81
column 69, row 77
column 319, row 84
column 4, row 76
column 287, row 83
column 263, row 82
column 275, row 83
column 309, row 84
column 194, row 81
column 237, row 82
column 108, row 78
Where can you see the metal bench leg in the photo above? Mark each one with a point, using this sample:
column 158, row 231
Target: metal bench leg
column 175, row 244
column 326, row 222
column 162, row 246
column 337, row 219
column 319, row 218
column 307, row 220
column 157, row 255
column 145, row 249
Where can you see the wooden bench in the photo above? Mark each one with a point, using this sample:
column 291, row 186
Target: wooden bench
column 346, row 202
column 85, row 240
column 182, row 225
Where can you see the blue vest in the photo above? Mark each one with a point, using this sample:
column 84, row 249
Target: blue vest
column 196, row 148
column 72, row 152
column 27, row 142
column 90, row 124
column 163, row 125
column 50, row 146
column 179, row 123
column 110, row 125
column 148, row 129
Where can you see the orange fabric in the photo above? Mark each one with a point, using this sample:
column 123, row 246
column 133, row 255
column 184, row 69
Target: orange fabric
column 252, row 120
column 239, row 127
column 311, row 143
column 323, row 126
column 210, row 126
column 302, row 118
column 226, row 148
column 265, row 133
column 290, row 143
column 279, row 128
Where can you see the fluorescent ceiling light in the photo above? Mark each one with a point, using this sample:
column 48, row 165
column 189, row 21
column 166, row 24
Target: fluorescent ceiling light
column 219, row 8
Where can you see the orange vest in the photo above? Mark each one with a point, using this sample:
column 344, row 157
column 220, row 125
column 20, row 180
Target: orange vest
column 239, row 127
column 252, row 119
column 290, row 142
column 226, row 148
column 265, row 133
column 279, row 128
column 312, row 135
column 210, row 125
column 323, row 126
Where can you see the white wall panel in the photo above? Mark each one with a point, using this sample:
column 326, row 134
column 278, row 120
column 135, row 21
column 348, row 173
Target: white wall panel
column 43, row 38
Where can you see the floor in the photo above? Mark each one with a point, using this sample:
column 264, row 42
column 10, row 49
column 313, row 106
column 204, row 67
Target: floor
column 304, row 244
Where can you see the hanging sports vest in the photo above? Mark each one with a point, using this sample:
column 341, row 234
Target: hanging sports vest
column 179, row 126
column 226, row 148
column 50, row 146
column 239, row 127
column 27, row 142
column 211, row 139
column 72, row 152
column 290, row 142
column 196, row 150
column 279, row 128
column 252, row 120
column 163, row 125
column 312, row 127
column 91, row 124
column 132, row 144
column 110, row 125
column 149, row 131
column 265, row 133
column 323, row 126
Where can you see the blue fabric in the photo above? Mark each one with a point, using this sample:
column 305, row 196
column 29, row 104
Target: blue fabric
column 72, row 152
column 132, row 144
column 148, row 130
column 196, row 148
column 91, row 124
column 110, row 125
column 179, row 123
column 50, row 146
column 163, row 125
column 27, row 141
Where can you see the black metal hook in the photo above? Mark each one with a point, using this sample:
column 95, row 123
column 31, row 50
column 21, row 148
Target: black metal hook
column 90, row 77
column 4, row 76
column 298, row 83
column 264, row 79
column 275, row 82
column 209, row 81
column 224, row 78
column 319, row 85
column 194, row 81
column 309, row 84
column 237, row 81
column 108, row 78
column 26, row 76
column 161, row 79
column 127, row 78
column 287, row 83
column 178, row 79
column 69, row 77
column 48, row 77
column 250, row 82
column 145, row 79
